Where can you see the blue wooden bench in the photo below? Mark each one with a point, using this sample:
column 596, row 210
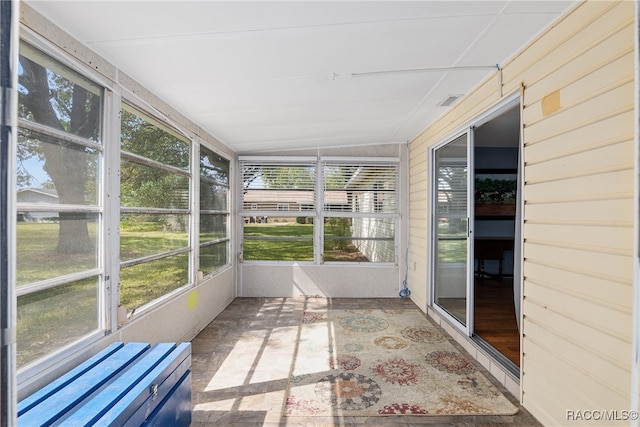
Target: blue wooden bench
column 130, row 384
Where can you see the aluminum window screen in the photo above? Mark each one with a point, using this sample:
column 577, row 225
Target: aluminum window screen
column 365, row 188
column 285, row 188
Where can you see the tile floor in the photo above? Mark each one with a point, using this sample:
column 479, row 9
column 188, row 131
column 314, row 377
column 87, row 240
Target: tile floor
column 241, row 363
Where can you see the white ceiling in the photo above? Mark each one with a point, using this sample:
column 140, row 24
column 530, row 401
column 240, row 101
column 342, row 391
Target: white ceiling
column 269, row 75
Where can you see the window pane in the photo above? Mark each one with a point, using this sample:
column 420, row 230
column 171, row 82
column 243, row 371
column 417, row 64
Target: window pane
column 150, row 187
column 213, row 166
column 53, row 244
column 148, row 234
column 71, row 174
column 146, row 139
column 212, row 257
column 52, row 94
column 360, row 188
column 143, row 283
column 281, row 241
column 213, row 227
column 278, row 187
column 53, row 318
column 213, row 196
column 359, row 240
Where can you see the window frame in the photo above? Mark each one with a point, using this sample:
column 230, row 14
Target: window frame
column 262, row 213
column 376, row 213
column 199, row 244
column 114, row 94
column 61, row 353
column 141, row 113
column 319, row 211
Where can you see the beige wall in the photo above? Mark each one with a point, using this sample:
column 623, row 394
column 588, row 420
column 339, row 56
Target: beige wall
column 577, row 82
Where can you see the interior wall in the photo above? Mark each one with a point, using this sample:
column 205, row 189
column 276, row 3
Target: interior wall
column 576, row 83
column 186, row 314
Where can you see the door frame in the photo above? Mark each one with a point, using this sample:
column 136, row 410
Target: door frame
column 510, row 101
column 467, row 327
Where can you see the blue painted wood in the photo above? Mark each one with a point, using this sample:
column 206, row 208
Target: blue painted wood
column 123, row 385
column 45, row 392
column 58, row 404
column 107, row 396
column 133, row 408
column 175, row 409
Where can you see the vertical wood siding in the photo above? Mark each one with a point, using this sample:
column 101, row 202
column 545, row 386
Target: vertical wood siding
column 578, row 136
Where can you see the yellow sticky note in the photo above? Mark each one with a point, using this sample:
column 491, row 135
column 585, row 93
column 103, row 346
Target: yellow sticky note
column 192, row 300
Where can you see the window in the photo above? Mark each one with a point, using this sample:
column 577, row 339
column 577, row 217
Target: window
column 59, row 213
column 214, row 211
column 69, row 253
column 154, row 214
column 281, row 226
column 356, row 220
column 360, row 210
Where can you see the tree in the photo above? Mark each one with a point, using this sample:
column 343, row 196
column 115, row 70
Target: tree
column 288, row 177
column 48, row 98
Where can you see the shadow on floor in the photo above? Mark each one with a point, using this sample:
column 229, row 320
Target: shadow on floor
column 242, row 360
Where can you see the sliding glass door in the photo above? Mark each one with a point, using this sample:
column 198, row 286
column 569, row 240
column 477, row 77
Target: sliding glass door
column 452, row 229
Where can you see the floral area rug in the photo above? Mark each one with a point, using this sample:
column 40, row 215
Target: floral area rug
column 384, row 362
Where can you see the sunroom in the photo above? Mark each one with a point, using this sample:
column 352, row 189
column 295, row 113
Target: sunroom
column 477, row 159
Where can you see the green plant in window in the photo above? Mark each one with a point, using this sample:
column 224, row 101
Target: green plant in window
column 341, row 229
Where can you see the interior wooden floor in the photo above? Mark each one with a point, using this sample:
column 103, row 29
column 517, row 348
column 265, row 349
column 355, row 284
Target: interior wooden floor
column 495, row 316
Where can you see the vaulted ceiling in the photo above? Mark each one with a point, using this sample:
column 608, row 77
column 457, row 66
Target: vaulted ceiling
column 272, row 75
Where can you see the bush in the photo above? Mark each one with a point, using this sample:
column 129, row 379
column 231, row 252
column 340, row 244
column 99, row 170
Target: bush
column 304, row 220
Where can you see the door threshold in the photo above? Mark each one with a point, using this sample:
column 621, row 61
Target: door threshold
column 498, row 357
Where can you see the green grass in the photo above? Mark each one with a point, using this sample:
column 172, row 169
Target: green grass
column 37, row 258
column 261, row 243
column 257, row 246
column 135, row 244
column 50, row 319
column 143, row 283
column 452, row 250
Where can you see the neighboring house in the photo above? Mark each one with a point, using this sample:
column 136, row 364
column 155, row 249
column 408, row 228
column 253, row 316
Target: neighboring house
column 37, row 195
column 369, row 193
column 289, row 200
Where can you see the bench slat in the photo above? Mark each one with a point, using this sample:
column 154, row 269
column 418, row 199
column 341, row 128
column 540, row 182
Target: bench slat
column 106, row 397
column 50, row 389
column 59, row 403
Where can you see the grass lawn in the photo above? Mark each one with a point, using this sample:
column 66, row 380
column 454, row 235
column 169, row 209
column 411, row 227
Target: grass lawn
column 37, row 258
column 259, row 242
column 52, row 318
column 294, row 242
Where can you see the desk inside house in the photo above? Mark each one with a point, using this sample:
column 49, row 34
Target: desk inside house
column 486, row 249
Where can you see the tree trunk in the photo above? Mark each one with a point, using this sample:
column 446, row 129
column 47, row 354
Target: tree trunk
column 65, row 163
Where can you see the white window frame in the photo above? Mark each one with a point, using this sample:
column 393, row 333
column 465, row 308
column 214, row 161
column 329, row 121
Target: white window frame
column 29, row 373
column 189, row 211
column 197, row 243
column 318, row 212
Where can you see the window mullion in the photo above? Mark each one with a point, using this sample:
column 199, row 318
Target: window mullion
column 318, row 224
column 112, row 212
